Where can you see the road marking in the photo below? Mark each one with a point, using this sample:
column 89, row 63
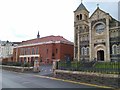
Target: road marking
column 94, row 85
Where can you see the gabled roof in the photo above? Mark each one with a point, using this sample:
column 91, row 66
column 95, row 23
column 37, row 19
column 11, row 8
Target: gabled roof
column 47, row 39
column 81, row 7
column 97, row 10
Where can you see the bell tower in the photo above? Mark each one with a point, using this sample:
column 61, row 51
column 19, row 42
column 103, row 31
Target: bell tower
column 81, row 32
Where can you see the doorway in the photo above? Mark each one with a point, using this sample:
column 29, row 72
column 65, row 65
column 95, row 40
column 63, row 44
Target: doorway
column 100, row 55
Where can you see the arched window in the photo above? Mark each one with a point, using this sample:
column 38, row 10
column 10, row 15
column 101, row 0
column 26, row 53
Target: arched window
column 80, row 16
column 83, row 51
column 87, row 50
column 114, row 49
column 119, row 49
column 77, row 17
column 99, row 28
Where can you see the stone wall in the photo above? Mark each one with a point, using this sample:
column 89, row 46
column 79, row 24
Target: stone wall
column 17, row 69
column 93, row 78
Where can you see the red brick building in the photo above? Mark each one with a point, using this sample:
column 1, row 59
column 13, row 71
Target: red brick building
column 45, row 50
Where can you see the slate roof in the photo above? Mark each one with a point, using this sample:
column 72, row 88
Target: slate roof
column 81, row 7
column 47, row 39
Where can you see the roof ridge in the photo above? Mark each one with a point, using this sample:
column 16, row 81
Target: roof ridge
column 81, row 7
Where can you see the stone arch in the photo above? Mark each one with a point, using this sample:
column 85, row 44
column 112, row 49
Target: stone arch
column 100, row 49
column 100, row 22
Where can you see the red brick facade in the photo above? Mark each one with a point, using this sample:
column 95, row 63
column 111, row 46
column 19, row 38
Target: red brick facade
column 45, row 50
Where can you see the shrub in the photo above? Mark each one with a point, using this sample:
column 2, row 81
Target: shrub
column 26, row 65
column 17, row 64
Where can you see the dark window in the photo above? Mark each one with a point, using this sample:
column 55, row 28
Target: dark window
column 37, row 50
column 53, row 54
column 56, row 50
column 47, row 51
column 80, row 16
column 77, row 17
column 33, row 50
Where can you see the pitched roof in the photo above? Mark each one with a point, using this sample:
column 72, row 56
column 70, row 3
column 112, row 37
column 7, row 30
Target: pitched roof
column 97, row 10
column 81, row 7
column 47, row 39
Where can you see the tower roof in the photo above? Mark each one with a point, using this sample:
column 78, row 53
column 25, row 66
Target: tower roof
column 38, row 35
column 81, row 7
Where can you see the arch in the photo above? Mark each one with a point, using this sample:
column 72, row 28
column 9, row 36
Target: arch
column 100, row 55
column 100, row 50
column 114, row 49
column 100, row 22
column 83, row 51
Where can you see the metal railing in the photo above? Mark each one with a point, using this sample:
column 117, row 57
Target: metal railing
column 93, row 66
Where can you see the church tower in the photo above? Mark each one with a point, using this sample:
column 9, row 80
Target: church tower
column 81, row 33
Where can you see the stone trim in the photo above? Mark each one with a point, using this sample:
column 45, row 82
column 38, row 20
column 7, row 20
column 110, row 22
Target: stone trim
column 29, row 56
column 88, row 73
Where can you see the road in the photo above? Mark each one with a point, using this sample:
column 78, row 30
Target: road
column 23, row 80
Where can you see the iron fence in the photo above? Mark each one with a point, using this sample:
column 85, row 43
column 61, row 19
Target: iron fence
column 99, row 67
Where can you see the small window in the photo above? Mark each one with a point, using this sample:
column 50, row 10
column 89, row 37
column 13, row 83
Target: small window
column 37, row 50
column 56, row 50
column 53, row 54
column 114, row 49
column 87, row 50
column 33, row 50
column 80, row 16
column 83, row 51
column 47, row 51
column 77, row 17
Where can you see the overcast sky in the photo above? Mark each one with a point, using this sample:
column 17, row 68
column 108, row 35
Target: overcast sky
column 22, row 19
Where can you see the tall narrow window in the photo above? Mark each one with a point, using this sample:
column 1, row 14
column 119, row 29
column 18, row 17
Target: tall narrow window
column 87, row 50
column 33, row 50
column 37, row 50
column 21, row 51
column 29, row 50
column 114, row 49
column 56, row 50
column 82, row 50
column 47, row 51
column 80, row 16
column 77, row 17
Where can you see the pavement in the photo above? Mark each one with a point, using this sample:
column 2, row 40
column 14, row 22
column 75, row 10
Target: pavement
column 42, row 79
column 21, row 80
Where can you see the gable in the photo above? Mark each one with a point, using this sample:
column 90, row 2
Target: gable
column 98, row 14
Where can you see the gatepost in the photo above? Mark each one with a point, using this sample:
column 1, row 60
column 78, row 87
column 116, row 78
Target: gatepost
column 55, row 65
column 36, row 66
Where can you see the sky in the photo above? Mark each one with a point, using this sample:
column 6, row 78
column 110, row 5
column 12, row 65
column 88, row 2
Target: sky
column 21, row 20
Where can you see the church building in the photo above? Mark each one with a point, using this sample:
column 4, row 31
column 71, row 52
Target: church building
column 96, row 37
